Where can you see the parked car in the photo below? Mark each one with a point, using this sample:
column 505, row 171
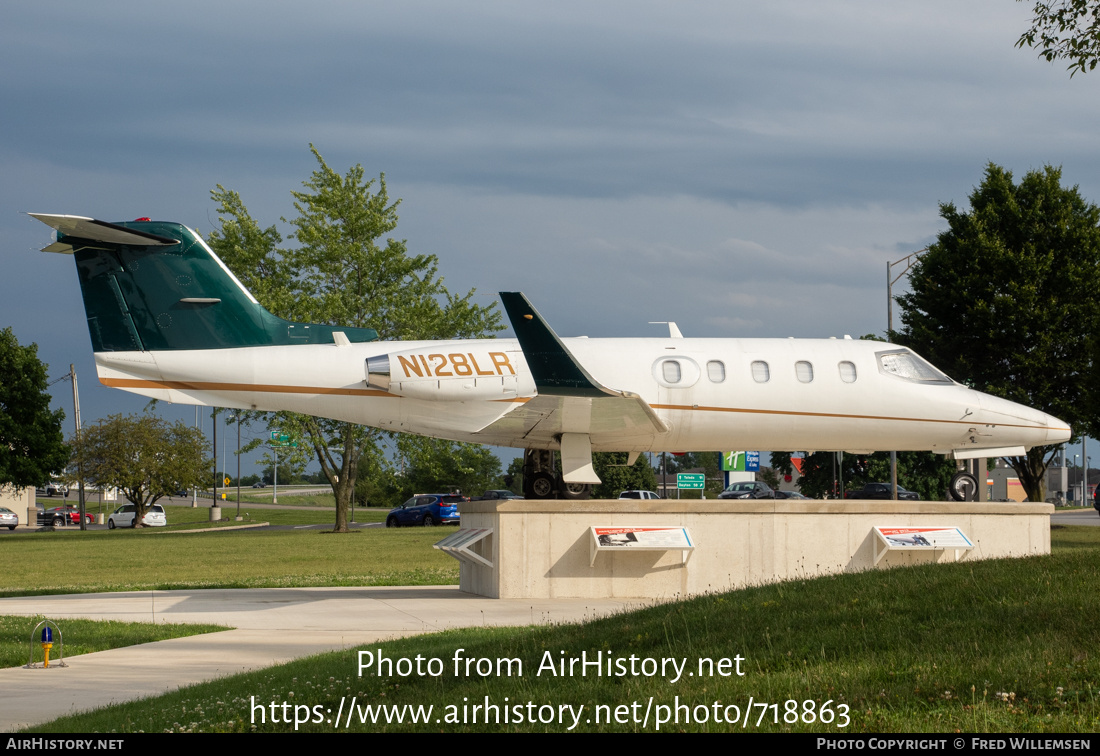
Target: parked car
column 748, row 489
column 124, row 516
column 638, row 494
column 51, row 489
column 426, row 510
column 60, row 516
column 789, row 495
column 880, row 491
column 8, row 518
column 496, row 493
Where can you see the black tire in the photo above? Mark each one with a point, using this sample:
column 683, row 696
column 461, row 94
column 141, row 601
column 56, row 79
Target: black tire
column 11, row 527
column 110, row 524
column 58, row 522
column 963, row 487
column 429, row 521
column 543, row 486
column 391, row 522
column 575, row 491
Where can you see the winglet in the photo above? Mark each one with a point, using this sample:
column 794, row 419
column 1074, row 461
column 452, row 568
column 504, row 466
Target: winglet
column 553, row 366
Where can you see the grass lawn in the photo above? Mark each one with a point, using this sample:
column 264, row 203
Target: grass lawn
column 186, row 517
column 72, row 561
column 993, row 646
column 85, row 636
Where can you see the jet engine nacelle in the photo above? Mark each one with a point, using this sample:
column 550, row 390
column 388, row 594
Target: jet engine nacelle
column 449, row 374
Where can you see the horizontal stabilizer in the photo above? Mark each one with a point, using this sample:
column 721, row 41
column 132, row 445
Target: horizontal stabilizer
column 97, row 231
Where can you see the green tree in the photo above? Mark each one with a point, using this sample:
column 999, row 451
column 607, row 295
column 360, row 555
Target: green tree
column 1066, row 30
column 292, row 465
column 433, row 465
column 343, row 271
column 1006, row 301
column 926, row 473
column 513, row 476
column 144, row 457
column 30, row 432
column 770, row 476
column 617, row 477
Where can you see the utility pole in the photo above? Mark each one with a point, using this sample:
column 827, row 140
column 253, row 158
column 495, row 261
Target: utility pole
column 238, row 465
column 215, row 424
column 195, row 489
column 79, row 463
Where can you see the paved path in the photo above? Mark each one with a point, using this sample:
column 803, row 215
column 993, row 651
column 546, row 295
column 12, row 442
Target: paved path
column 273, row 625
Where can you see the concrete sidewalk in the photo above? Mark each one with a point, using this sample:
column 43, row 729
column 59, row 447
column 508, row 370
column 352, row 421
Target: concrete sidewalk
column 272, row 625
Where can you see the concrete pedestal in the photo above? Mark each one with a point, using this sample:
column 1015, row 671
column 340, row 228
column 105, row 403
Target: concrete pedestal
column 541, row 548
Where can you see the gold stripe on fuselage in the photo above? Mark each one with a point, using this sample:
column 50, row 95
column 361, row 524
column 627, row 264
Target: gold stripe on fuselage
column 123, row 383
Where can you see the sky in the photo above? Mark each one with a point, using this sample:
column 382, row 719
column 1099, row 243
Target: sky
column 743, row 169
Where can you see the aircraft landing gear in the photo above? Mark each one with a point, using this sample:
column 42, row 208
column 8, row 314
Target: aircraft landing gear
column 543, row 486
column 541, row 479
column 575, row 490
column 963, row 487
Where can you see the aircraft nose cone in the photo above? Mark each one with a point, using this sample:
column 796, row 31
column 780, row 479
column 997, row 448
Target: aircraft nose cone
column 1057, row 431
column 1040, row 428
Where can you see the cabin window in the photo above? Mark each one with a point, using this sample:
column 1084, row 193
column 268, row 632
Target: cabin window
column 847, row 372
column 670, row 369
column 716, row 371
column 760, row 371
column 905, row 364
column 804, row 371
column 676, row 371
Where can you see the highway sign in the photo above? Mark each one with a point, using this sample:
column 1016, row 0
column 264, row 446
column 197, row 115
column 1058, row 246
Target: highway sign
column 691, row 480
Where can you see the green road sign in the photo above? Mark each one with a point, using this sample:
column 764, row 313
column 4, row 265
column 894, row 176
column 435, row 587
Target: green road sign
column 691, row 480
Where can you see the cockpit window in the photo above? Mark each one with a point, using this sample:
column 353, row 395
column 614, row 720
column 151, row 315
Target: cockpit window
column 905, row 364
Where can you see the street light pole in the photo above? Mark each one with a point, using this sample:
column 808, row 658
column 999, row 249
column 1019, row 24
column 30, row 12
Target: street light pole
column 891, row 279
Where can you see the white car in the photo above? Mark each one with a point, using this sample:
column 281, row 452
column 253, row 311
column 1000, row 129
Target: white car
column 123, row 517
column 638, row 495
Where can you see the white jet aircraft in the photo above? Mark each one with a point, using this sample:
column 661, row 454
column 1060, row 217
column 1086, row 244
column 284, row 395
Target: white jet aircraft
column 170, row 321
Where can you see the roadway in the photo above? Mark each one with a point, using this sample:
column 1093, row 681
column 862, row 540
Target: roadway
column 1082, row 516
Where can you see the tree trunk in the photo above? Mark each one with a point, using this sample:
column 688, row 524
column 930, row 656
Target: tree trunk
column 342, row 479
column 1032, row 471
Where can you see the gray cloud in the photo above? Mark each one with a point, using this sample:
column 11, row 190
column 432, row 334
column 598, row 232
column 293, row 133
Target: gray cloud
column 744, row 169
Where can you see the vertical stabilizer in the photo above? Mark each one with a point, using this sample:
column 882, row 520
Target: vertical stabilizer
column 153, row 285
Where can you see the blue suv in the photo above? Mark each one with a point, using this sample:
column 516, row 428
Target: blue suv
column 426, row 510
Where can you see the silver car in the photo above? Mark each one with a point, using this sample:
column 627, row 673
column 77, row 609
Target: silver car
column 123, row 517
column 8, row 518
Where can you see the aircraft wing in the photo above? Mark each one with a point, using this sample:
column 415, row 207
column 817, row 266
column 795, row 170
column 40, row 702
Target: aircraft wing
column 606, row 420
column 571, row 407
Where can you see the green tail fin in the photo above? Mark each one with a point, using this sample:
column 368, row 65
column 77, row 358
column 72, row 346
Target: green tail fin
column 152, row 285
